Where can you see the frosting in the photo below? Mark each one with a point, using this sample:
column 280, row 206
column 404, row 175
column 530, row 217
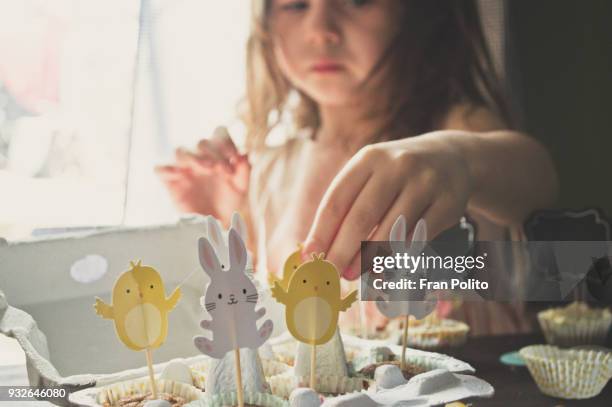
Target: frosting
column 222, row 373
column 304, row 397
column 331, row 358
column 178, row 371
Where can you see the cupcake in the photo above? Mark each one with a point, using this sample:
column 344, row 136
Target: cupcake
column 575, row 324
column 433, row 332
column 284, row 384
column 230, row 399
column 568, row 374
column 410, row 370
column 135, row 393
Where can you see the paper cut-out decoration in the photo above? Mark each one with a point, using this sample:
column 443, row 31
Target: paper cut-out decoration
column 140, row 311
column 412, row 302
column 230, row 299
column 313, row 301
column 291, row 264
column 139, row 307
column 219, row 240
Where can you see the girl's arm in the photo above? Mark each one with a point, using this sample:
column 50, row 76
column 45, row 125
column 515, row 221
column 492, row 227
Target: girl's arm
column 437, row 176
column 512, row 173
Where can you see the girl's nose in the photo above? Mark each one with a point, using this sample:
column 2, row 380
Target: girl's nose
column 323, row 27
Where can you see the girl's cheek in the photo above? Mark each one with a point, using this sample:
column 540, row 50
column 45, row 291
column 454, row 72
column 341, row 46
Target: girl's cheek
column 288, row 53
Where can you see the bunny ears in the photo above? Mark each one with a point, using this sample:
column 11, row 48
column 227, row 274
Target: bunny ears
column 237, row 254
column 397, row 236
column 215, row 231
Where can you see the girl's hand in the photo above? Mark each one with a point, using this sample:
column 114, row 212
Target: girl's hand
column 426, row 176
column 213, row 180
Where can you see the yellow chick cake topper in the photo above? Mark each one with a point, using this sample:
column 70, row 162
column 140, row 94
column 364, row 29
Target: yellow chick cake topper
column 313, row 301
column 291, row 264
column 139, row 307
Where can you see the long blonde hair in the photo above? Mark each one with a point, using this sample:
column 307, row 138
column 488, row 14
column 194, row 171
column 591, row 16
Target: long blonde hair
column 439, row 59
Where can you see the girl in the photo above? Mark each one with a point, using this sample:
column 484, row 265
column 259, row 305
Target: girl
column 396, row 110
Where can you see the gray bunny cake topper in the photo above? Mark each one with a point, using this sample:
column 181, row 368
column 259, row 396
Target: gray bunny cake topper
column 230, row 299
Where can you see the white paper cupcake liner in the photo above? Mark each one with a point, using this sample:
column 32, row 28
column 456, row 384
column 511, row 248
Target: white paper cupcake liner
column 282, row 385
column 274, row 368
column 270, row 368
column 575, row 331
column 113, row 393
column 448, row 333
column 231, row 399
column 198, row 378
column 568, row 374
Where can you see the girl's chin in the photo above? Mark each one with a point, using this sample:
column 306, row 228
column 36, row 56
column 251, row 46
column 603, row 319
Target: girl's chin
column 331, row 97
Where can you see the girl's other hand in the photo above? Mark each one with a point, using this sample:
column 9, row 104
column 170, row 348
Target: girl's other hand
column 213, row 180
column 426, row 176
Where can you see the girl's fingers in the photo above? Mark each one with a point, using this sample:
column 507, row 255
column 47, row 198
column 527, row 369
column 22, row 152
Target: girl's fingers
column 365, row 213
column 411, row 203
column 440, row 216
column 208, row 150
column 200, row 163
column 224, row 144
column 334, row 206
column 171, row 172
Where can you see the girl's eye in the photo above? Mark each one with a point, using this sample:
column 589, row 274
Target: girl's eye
column 304, row 281
column 151, row 286
column 220, row 296
column 244, row 291
column 328, row 283
column 358, row 3
column 294, row 6
column 127, row 291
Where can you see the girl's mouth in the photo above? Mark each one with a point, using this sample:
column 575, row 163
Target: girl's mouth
column 326, row 67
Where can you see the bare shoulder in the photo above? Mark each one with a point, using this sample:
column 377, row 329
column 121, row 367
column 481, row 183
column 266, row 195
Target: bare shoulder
column 472, row 118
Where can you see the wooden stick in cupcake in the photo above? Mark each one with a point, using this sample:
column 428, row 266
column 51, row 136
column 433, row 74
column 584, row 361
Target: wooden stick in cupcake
column 140, row 310
column 398, row 303
column 230, row 299
column 313, row 302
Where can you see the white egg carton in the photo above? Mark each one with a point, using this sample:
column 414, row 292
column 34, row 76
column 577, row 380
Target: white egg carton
column 51, row 284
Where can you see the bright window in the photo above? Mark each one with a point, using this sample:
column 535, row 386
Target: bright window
column 71, row 133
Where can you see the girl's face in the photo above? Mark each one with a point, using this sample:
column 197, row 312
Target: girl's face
column 328, row 48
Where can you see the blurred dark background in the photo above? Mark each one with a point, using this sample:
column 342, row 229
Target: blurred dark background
column 562, row 71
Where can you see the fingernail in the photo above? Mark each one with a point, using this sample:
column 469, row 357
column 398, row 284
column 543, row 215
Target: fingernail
column 307, row 251
column 350, row 274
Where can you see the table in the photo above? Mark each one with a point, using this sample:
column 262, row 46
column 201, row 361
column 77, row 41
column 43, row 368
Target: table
column 513, row 386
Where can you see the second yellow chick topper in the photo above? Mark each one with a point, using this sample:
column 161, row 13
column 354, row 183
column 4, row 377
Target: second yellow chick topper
column 313, row 301
column 291, row 264
column 139, row 307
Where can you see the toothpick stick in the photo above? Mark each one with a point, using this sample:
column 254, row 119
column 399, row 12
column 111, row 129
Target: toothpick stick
column 313, row 366
column 151, row 373
column 239, row 393
column 404, row 343
column 362, row 319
